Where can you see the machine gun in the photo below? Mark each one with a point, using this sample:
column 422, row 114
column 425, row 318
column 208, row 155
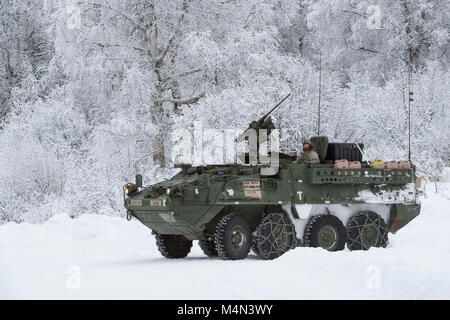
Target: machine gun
column 264, row 122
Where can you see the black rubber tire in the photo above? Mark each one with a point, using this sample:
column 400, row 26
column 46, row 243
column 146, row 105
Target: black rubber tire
column 173, row 246
column 356, row 224
column 208, row 247
column 268, row 245
column 315, row 225
column 223, row 237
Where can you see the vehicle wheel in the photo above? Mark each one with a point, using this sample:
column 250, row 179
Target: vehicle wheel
column 173, row 246
column 232, row 237
column 366, row 229
column 275, row 235
column 325, row 231
column 208, row 247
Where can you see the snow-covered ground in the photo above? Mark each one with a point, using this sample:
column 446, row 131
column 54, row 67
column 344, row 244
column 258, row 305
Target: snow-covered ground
column 96, row 257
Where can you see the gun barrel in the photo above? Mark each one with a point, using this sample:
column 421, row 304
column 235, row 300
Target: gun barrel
column 260, row 121
column 278, row 104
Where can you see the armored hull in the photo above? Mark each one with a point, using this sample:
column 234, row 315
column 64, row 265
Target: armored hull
column 232, row 208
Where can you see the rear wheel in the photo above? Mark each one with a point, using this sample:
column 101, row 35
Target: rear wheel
column 208, row 247
column 325, row 231
column 232, row 237
column 173, row 246
column 366, row 229
column 275, row 236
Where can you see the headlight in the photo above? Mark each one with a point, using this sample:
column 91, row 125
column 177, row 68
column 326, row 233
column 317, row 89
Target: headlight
column 129, row 188
column 168, row 191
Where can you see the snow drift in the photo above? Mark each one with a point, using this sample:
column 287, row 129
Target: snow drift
column 116, row 259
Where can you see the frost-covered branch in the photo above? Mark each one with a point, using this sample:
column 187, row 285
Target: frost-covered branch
column 136, row 24
column 117, row 45
column 160, row 59
column 190, row 100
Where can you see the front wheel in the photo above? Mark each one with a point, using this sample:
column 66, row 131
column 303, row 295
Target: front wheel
column 232, row 237
column 173, row 246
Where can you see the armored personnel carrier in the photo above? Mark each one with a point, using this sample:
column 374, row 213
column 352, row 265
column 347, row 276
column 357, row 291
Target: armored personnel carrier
column 232, row 209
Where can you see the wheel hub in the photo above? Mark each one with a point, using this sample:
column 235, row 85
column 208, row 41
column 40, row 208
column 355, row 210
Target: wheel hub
column 328, row 237
column 369, row 235
column 238, row 237
column 275, row 236
column 280, row 238
column 366, row 229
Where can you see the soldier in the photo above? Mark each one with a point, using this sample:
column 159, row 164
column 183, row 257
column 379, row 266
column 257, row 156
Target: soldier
column 308, row 155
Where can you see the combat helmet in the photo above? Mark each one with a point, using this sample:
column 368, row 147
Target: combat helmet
column 307, row 141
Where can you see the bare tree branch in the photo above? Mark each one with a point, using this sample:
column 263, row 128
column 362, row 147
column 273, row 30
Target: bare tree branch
column 109, row 45
column 126, row 17
column 160, row 59
column 354, row 12
column 190, row 100
column 377, row 52
column 184, row 74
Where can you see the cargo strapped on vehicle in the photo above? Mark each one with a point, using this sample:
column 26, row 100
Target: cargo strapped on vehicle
column 360, row 176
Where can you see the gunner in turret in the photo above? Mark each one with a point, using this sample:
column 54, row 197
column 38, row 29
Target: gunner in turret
column 308, row 154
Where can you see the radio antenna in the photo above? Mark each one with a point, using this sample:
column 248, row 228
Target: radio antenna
column 320, row 91
column 409, row 112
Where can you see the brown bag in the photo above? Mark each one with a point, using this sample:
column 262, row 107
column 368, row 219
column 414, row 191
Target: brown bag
column 341, row 164
column 418, row 182
column 354, row 165
column 405, row 164
column 391, row 165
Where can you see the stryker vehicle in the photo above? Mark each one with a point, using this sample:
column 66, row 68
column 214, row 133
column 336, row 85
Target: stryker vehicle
column 232, row 209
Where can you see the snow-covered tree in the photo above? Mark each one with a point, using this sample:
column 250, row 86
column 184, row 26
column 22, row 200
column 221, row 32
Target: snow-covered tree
column 90, row 91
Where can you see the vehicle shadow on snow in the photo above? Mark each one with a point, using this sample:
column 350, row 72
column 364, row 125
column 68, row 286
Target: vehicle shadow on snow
column 162, row 260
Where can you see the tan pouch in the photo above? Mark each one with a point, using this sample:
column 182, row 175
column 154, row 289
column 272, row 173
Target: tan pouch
column 341, row 164
column 391, row 165
column 405, row 164
column 354, row 165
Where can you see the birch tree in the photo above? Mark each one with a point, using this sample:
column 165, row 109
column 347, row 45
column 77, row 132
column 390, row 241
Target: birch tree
column 155, row 31
column 25, row 48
